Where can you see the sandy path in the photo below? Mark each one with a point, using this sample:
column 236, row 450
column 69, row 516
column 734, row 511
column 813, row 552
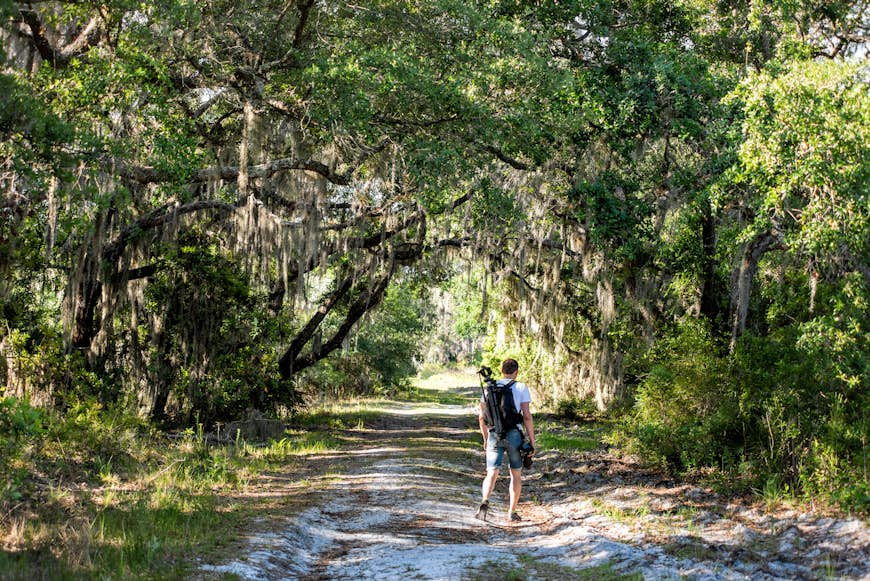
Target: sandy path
column 404, row 510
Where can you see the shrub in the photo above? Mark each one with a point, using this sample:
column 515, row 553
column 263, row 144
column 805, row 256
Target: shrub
column 686, row 413
column 19, row 425
column 577, row 409
column 789, row 410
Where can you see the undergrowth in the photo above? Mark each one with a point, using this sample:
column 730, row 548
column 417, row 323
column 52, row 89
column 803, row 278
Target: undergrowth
column 98, row 493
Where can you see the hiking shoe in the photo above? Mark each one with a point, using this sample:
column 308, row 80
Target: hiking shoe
column 515, row 517
column 481, row 511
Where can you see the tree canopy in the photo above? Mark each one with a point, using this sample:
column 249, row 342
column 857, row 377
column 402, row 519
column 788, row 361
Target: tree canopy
column 205, row 201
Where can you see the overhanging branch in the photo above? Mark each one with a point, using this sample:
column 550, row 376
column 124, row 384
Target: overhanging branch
column 87, row 37
column 148, row 175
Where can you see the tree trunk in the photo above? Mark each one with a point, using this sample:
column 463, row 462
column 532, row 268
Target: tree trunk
column 710, row 306
column 83, row 295
column 742, row 284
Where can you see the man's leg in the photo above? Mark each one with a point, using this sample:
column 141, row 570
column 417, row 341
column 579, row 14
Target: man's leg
column 516, row 488
column 488, row 483
column 485, row 491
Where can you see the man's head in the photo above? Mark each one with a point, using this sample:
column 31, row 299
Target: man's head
column 509, row 367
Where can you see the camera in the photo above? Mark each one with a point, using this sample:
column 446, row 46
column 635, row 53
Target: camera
column 526, row 451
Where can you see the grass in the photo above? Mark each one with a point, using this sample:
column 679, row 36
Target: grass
column 103, row 495
column 571, row 438
column 106, row 497
column 691, row 547
column 448, row 380
column 336, row 417
column 566, row 443
column 626, row 515
column 442, row 397
column 529, row 567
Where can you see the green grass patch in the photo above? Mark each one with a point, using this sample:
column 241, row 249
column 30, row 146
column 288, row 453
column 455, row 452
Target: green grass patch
column 447, row 380
column 443, row 397
column 691, row 548
column 529, row 567
column 299, row 443
column 547, row 440
column 620, row 514
column 334, row 418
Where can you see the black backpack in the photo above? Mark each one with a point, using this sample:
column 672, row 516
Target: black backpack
column 501, row 412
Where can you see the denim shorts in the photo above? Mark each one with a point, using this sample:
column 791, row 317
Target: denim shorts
column 495, row 450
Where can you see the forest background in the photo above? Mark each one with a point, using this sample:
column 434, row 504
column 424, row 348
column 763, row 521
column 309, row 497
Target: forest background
column 660, row 208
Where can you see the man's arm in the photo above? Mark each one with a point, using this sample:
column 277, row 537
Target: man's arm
column 528, row 423
column 484, row 429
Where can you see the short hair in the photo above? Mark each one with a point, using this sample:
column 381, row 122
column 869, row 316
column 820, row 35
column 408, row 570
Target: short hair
column 509, row 366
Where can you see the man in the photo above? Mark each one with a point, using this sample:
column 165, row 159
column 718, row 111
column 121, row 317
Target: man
column 495, row 449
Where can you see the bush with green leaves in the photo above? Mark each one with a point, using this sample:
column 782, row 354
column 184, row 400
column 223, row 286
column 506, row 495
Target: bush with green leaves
column 804, row 400
column 686, row 413
column 20, row 425
column 789, row 410
column 577, row 409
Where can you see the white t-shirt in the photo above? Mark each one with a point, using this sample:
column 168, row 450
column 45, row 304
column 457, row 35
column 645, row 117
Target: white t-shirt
column 520, row 390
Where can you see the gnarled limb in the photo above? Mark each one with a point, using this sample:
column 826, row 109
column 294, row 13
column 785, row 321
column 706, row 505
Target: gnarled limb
column 307, row 332
column 148, row 175
column 88, row 37
column 368, row 299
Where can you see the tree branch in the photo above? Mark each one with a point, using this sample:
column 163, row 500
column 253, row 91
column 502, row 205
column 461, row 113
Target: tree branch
column 503, row 157
column 156, row 218
column 743, row 277
column 366, row 301
column 305, row 334
column 87, row 37
column 149, row 175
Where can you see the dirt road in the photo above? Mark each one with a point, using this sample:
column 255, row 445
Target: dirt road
column 401, row 507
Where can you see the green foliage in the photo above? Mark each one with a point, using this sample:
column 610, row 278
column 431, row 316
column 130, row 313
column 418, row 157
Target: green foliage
column 470, row 316
column 806, row 426
column 19, row 420
column 199, row 291
column 382, row 355
column 614, row 213
column 686, row 413
column 20, row 425
column 27, row 129
column 392, row 339
column 575, row 409
column 775, row 410
column 804, row 151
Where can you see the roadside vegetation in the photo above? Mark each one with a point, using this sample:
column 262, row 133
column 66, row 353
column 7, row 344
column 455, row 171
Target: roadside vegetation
column 96, row 493
column 529, row 567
